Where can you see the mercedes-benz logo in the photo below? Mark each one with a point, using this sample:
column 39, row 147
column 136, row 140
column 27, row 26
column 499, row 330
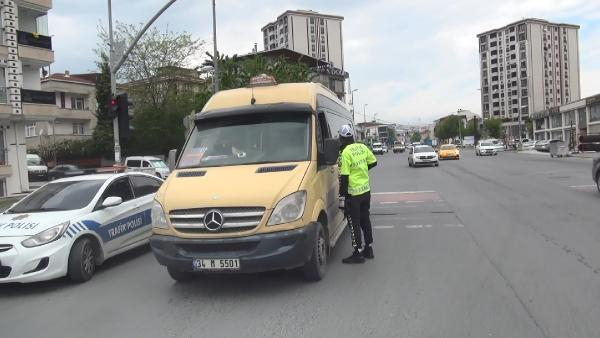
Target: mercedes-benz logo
column 213, row 220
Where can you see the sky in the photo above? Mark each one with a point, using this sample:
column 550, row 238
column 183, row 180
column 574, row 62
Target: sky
column 411, row 61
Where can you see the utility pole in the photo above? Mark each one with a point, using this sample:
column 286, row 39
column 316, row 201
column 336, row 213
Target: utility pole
column 114, row 66
column 113, row 82
column 365, row 112
column 216, row 53
column 352, row 98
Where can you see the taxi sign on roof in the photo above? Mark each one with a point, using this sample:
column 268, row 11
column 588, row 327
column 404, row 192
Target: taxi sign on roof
column 262, row 80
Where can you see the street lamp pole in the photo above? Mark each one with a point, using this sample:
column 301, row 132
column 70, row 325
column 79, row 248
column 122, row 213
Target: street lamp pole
column 352, row 98
column 365, row 112
column 216, row 53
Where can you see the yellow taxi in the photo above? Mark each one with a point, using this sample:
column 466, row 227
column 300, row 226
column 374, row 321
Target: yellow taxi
column 449, row 151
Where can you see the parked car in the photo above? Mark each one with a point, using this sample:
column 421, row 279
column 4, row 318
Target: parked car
column 423, row 155
column 544, row 146
column 378, row 148
column 36, row 168
column 148, row 164
column 449, row 151
column 485, row 148
column 68, row 226
column 596, row 172
column 67, row 170
column 385, row 148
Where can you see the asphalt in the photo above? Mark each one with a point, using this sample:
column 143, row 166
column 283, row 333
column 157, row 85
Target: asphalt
column 504, row 246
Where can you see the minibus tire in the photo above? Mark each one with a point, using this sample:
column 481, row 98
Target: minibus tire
column 180, row 276
column 314, row 269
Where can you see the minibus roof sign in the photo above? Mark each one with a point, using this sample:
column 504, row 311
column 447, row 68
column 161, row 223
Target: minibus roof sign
column 262, row 80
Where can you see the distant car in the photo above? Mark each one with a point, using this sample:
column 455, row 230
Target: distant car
column 36, row 168
column 485, row 148
column 67, row 170
column 148, row 164
column 422, row 155
column 449, row 151
column 398, row 147
column 378, row 148
column 596, row 172
column 385, row 148
column 528, row 145
column 68, row 226
column 544, row 146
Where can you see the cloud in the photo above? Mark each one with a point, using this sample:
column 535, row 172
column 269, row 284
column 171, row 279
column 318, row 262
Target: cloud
column 411, row 60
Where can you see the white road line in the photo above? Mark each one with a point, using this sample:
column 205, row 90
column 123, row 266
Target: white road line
column 582, row 186
column 403, row 192
column 454, row 225
column 384, row 226
column 414, row 226
column 414, row 202
column 388, row 202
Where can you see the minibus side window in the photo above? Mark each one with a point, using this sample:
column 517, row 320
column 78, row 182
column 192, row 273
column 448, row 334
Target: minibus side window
column 322, row 134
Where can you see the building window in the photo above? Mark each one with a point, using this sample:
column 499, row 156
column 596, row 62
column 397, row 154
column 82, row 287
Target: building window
column 312, row 30
column 595, row 113
column 78, row 129
column 77, row 103
column 30, row 130
column 312, row 21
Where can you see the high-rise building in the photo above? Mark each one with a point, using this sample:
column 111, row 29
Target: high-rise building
column 25, row 49
column 307, row 32
column 528, row 66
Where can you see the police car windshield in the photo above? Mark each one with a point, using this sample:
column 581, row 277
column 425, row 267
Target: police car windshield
column 248, row 139
column 424, row 150
column 59, row 196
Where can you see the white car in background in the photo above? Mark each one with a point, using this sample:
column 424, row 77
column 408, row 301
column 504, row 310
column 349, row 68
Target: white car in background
column 422, row 155
column 485, row 148
column 147, row 164
column 378, row 148
column 36, row 168
column 68, row 226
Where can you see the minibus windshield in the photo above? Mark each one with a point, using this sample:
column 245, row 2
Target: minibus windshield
column 248, row 139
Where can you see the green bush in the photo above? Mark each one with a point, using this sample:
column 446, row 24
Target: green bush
column 68, row 150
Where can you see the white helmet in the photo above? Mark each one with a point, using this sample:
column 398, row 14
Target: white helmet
column 346, row 131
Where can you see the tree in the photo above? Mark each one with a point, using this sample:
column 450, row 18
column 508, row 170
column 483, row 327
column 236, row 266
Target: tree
column 493, row 127
column 448, row 127
column 103, row 133
column 415, row 137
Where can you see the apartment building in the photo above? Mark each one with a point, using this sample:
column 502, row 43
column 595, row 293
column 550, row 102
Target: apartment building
column 528, row 66
column 25, row 48
column 73, row 115
column 307, row 32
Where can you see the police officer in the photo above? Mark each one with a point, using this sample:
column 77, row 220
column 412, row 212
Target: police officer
column 356, row 161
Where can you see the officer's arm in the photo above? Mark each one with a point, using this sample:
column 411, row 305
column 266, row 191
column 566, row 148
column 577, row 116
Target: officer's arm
column 345, row 174
column 344, row 180
column 371, row 160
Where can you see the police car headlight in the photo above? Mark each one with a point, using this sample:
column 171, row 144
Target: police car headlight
column 46, row 236
column 289, row 209
column 159, row 220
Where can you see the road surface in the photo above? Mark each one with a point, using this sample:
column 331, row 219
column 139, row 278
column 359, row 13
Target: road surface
column 504, row 246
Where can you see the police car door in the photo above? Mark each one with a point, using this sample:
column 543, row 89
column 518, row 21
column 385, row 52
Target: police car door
column 144, row 188
column 118, row 222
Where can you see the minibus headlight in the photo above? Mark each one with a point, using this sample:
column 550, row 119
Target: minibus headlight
column 289, row 209
column 159, row 220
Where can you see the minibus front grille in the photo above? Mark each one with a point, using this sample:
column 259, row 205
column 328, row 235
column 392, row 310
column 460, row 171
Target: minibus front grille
column 234, row 219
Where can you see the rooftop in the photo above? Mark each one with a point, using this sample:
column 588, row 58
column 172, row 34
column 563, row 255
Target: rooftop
column 66, row 77
column 529, row 20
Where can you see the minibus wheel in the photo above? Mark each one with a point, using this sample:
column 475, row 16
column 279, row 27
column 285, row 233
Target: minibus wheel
column 315, row 268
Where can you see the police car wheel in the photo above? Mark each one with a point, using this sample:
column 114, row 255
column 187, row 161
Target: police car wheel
column 314, row 269
column 180, row 276
column 82, row 261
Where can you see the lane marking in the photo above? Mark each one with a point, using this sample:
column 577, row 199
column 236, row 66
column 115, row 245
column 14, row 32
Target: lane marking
column 403, row 192
column 454, row 225
column 414, row 226
column 384, row 226
column 582, row 186
column 414, row 202
column 388, row 202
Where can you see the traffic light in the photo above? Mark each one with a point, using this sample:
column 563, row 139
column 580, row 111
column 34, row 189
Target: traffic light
column 113, row 107
column 122, row 104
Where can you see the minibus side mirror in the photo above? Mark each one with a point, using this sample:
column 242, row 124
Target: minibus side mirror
column 332, row 151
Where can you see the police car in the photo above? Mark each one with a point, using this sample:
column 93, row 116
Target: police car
column 68, row 226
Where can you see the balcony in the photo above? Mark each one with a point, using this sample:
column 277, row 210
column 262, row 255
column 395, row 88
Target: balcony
column 43, row 5
column 38, row 96
column 35, row 47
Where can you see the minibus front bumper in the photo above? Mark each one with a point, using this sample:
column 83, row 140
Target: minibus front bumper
column 257, row 253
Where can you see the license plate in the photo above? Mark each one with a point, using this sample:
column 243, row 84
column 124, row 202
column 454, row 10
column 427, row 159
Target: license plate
column 217, row 264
